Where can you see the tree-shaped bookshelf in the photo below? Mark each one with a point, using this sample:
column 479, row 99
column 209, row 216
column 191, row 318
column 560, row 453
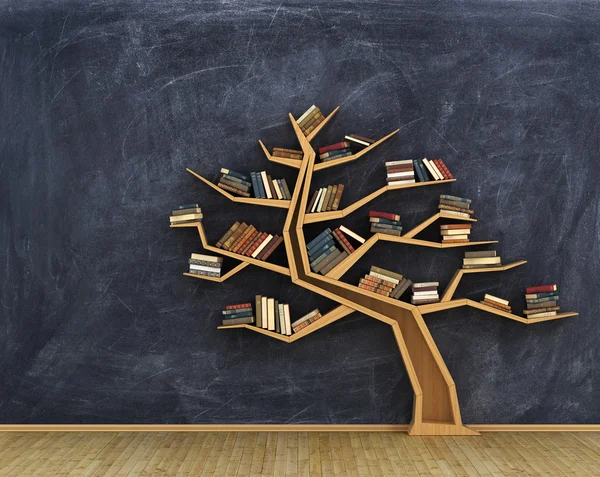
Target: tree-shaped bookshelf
column 435, row 409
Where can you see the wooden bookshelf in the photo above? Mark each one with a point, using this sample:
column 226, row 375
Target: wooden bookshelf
column 436, row 410
column 222, row 278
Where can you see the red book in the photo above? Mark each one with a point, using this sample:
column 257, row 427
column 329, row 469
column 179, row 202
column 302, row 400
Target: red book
column 240, row 305
column 541, row 289
column 384, row 215
column 441, row 168
column 446, row 171
column 257, row 244
column 333, row 147
column 342, row 237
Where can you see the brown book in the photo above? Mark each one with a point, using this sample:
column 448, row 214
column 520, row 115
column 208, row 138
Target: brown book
column 544, row 304
column 420, row 289
column 319, row 119
column 240, row 230
column 250, row 242
column 242, row 238
column 271, row 187
column 378, row 281
column 262, row 237
column 323, row 263
column 310, row 120
column 236, row 185
column 291, row 151
column 456, row 226
column 455, row 203
column 326, row 199
column 541, row 310
column 338, row 197
column 456, row 241
column 233, row 190
column 315, row 112
column 379, row 286
column 403, row 178
column 242, row 244
column 383, row 230
column 362, row 138
column 227, row 234
column 272, row 247
column 286, row 189
column 288, row 155
column 331, row 197
column 496, row 305
column 456, row 209
column 346, row 241
column 341, row 242
column 331, row 265
column 312, row 201
column 373, row 289
column 401, row 168
column 264, row 251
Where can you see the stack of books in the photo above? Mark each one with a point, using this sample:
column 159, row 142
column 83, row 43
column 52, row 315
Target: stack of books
column 239, row 314
column 495, row 302
column 335, row 151
column 456, row 206
column 265, row 187
column 185, row 214
column 385, row 223
column 425, row 292
column 272, row 315
column 360, row 140
column 323, row 254
column 311, row 118
column 287, row 153
column 400, row 172
column 234, row 182
column 431, row 169
column 541, row 301
column 455, row 233
column 306, row 320
column 326, row 199
column 247, row 240
column 481, row 259
column 384, row 282
column 205, row 265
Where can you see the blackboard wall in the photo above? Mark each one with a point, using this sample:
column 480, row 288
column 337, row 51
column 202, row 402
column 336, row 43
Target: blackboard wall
column 103, row 105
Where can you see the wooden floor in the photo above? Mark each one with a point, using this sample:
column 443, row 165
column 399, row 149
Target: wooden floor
column 296, row 454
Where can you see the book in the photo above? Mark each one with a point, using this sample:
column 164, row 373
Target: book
column 328, row 155
column 238, row 311
column 318, row 238
column 306, row 114
column 423, row 301
column 316, row 202
column 346, row 241
column 425, row 294
column 255, row 188
column 291, row 151
column 319, row 241
column 456, row 241
column 250, row 242
column 235, row 180
column 438, row 172
column 495, row 304
column 482, row 261
column 541, row 289
column 540, row 315
column 357, row 140
column 258, row 306
column 186, row 217
column 448, row 234
column 278, row 194
column 386, row 278
column 388, row 273
column 321, row 248
column 456, row 214
column 530, row 296
column 480, row 254
column 463, row 236
column 256, row 243
column 455, row 198
column 374, row 289
column 400, row 288
column 543, row 304
column 319, row 119
column 260, row 184
column 456, row 209
column 380, row 281
column 215, row 274
column 234, row 174
column 363, row 138
column 204, row 268
column 265, row 312
column 241, row 240
column 277, row 322
column 384, row 215
column 265, row 182
column 381, row 230
column 326, row 199
column 341, row 242
column 377, row 221
column 331, row 198
column 461, row 226
column 338, row 197
column 311, row 201
column 333, row 147
column 349, row 232
column 247, row 320
column 338, row 156
column 272, row 248
column 386, row 226
column 261, row 246
column 271, row 314
column 502, row 301
column 495, row 265
column 431, row 170
column 214, row 265
column 322, row 200
column 425, row 284
column 286, row 189
column 233, row 237
column 400, row 175
column 191, row 210
column 233, row 190
column 333, row 263
column 310, row 119
column 307, row 322
column 322, row 255
column 270, row 185
column 402, row 182
column 281, row 316
column 286, row 315
column 304, row 318
column 287, row 154
column 418, row 171
column 455, row 203
column 542, row 300
column 187, row 206
column 447, row 173
column 541, row 310
column 328, row 259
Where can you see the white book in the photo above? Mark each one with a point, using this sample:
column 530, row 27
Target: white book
column 204, row 268
column 426, row 284
column 277, row 189
column 262, row 245
column 263, row 175
column 206, row 258
column 308, row 316
column 281, row 318
column 455, row 237
column 359, row 141
column 398, row 163
column 401, row 174
column 425, row 294
column 288, row 321
column 355, row 236
column 320, row 208
column 483, row 261
column 456, row 232
column 271, row 314
column 402, row 182
column 454, row 214
column 437, row 169
column 264, row 311
column 496, row 299
column 315, row 205
column 540, row 315
column 431, row 170
column 178, row 218
column 385, row 277
column 306, row 113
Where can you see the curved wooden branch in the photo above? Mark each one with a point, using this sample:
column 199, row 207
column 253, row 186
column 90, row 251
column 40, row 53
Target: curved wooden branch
column 282, row 204
column 295, row 163
column 221, row 279
column 353, row 157
column 426, row 223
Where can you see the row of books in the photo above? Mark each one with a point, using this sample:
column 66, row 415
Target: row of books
column 247, row 240
column 324, row 254
column 424, row 293
column 456, row 206
column 481, row 259
column 409, row 171
column 385, row 223
column 260, row 183
column 310, row 120
column 326, row 199
column 541, row 301
column 205, row 265
column 384, row 282
column 431, row 169
column 287, row 153
column 455, row 233
column 495, row 302
column 238, row 314
column 185, row 214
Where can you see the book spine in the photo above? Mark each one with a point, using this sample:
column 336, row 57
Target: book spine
column 244, row 245
column 258, row 307
column 539, row 295
column 271, row 186
column 242, row 238
column 262, row 245
column 265, row 182
column 234, row 174
column 228, row 234
column 271, row 248
column 318, row 120
column 286, row 189
column 255, row 185
column 379, row 281
column 232, row 189
column 256, row 244
column 250, row 242
column 239, row 231
column 237, row 312
column 261, row 186
column 341, row 242
column 354, row 235
column 338, row 156
column 338, row 197
column 384, row 215
column 345, row 240
column 328, row 259
column 333, row 263
column 541, row 289
column 456, row 209
column 236, row 180
column 331, row 198
column 333, row 147
column 205, row 273
column 318, row 238
column 542, row 300
column 312, row 201
column 453, row 197
column 277, row 190
column 418, row 171
column 334, row 153
column 306, row 114
column 318, row 249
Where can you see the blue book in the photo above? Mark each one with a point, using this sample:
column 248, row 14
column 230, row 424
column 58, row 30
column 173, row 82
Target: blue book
column 316, row 251
column 187, row 206
column 386, row 221
column 338, row 156
column 386, row 226
column 236, row 179
column 234, row 174
column 335, row 152
column 418, row 171
column 424, row 170
column 323, row 256
column 318, row 238
column 261, row 186
column 255, row 185
column 541, row 300
column 455, row 199
column 238, row 315
column 320, row 243
column 542, row 295
column 237, row 311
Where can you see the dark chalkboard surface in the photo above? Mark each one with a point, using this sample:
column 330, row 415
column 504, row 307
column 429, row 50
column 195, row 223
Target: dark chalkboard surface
column 103, row 105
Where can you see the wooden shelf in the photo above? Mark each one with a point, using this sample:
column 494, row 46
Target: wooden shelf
column 222, row 278
column 270, row 334
column 282, row 204
column 310, row 218
column 426, row 223
column 427, row 243
column 318, row 129
column 295, row 163
column 353, row 157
